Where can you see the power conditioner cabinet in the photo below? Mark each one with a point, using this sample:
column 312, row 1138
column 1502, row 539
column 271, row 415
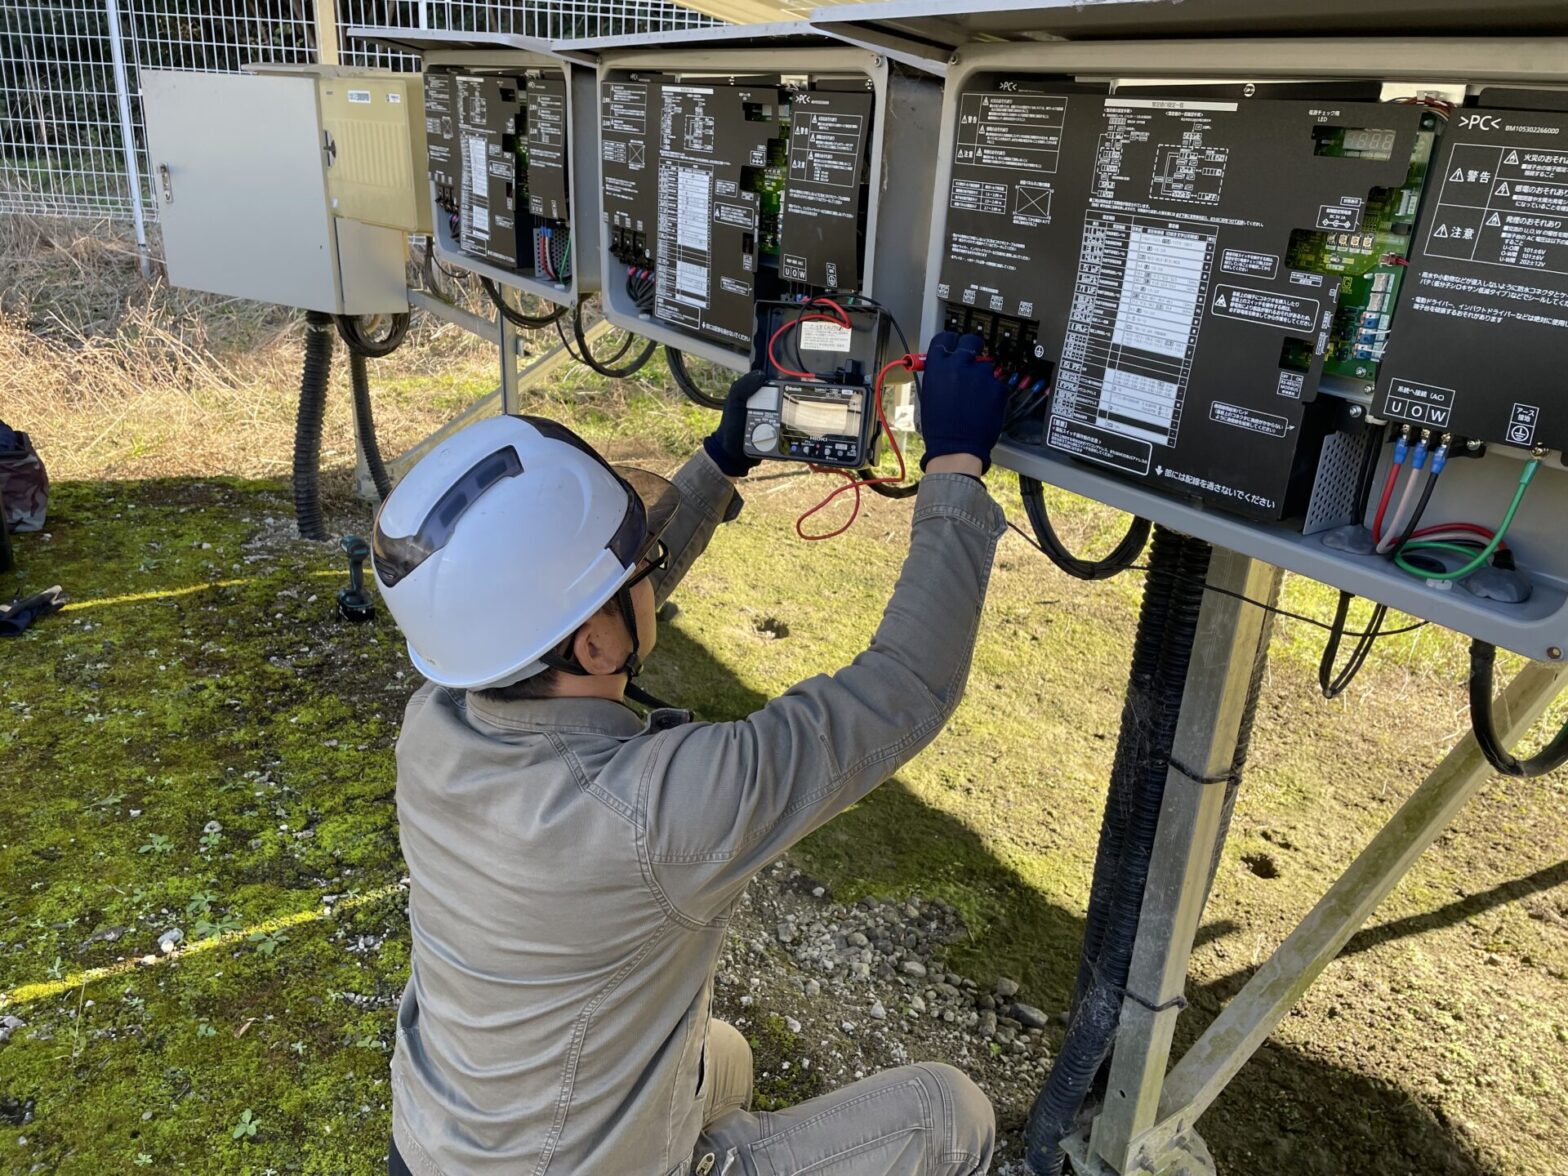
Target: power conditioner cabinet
column 239, row 176
column 1114, row 197
column 373, row 127
column 751, row 163
column 510, row 130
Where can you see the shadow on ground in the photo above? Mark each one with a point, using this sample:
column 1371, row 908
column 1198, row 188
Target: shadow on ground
column 1286, row 1112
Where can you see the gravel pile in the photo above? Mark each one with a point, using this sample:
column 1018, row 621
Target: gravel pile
column 863, row 986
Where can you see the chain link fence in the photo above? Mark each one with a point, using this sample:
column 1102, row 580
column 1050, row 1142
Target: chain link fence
column 72, row 141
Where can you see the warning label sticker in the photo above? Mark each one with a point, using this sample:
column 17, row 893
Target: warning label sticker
column 1252, row 265
column 1287, row 311
column 1109, row 449
column 1249, row 419
column 819, row 336
column 1020, row 132
column 1503, row 206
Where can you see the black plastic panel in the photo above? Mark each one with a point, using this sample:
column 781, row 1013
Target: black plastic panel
column 545, row 100
column 1147, row 242
column 1480, row 338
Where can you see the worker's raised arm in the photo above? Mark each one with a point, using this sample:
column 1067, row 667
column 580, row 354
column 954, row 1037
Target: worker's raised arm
column 723, row 799
column 707, row 490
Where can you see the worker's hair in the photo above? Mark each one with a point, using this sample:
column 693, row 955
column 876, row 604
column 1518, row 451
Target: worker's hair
column 542, row 684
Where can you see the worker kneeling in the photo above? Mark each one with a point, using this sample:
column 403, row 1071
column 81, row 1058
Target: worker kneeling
column 573, row 867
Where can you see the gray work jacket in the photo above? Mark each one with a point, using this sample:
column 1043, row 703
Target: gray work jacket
column 572, row 868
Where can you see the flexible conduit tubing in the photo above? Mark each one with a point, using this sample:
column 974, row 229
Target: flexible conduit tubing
column 307, row 426
column 1168, row 623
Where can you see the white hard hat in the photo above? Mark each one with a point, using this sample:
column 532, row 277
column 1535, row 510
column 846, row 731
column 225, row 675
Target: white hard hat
column 503, row 540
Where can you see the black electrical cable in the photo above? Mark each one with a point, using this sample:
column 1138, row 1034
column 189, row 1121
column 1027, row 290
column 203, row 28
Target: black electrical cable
column 1242, row 596
column 1119, row 560
column 1483, row 719
column 307, row 426
column 606, row 367
column 1331, row 684
column 365, row 425
column 517, row 318
column 676, row 362
column 351, row 328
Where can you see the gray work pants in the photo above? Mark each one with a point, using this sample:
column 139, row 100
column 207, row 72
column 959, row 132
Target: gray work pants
column 923, row 1120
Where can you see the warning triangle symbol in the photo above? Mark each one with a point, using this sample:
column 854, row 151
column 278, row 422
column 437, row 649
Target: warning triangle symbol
column 1512, row 158
column 1459, row 175
column 1220, row 302
column 1442, row 231
column 1502, row 189
column 1494, row 221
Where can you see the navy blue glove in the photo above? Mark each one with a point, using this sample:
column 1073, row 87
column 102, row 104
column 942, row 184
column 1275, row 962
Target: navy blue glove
column 962, row 404
column 726, row 445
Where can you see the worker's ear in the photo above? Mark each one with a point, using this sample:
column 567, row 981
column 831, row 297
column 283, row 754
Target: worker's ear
column 602, row 643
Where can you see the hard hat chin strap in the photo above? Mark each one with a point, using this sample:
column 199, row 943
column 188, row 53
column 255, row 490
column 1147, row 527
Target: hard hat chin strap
column 631, row 667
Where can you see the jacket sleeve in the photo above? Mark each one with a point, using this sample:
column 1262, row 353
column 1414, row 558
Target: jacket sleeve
column 708, row 498
column 721, row 800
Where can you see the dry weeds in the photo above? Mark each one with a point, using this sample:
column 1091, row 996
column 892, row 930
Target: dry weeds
column 117, row 377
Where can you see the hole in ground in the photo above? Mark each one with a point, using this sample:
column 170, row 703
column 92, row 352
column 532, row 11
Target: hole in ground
column 1261, row 864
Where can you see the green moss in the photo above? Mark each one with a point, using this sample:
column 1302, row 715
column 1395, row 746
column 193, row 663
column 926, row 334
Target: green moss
column 205, row 681
column 777, row 1055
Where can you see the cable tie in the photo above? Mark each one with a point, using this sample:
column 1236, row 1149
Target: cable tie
column 1195, row 777
column 1176, row 1002
column 1179, row 1001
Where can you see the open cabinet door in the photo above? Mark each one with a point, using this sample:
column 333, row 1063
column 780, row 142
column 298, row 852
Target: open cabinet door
column 239, row 180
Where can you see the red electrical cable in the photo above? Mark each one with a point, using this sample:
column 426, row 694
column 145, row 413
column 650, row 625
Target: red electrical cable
column 1473, row 528
column 1382, row 506
column 909, row 363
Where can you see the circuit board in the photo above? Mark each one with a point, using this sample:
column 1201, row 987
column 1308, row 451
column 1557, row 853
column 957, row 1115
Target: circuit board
column 1371, row 261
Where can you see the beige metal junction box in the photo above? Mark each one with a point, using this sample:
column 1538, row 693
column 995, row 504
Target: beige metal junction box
column 373, row 127
column 239, row 173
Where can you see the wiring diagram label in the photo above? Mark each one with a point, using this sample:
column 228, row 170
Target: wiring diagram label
column 1420, row 404
column 1130, row 340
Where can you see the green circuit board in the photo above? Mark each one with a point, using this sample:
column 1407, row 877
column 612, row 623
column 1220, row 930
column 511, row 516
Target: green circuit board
column 1369, row 263
column 768, row 183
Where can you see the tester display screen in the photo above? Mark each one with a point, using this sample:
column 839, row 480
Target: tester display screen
column 819, row 418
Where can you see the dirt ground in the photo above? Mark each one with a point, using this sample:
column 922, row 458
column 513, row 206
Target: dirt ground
column 205, row 682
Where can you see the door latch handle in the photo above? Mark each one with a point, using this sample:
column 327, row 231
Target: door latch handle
column 330, row 147
column 165, row 183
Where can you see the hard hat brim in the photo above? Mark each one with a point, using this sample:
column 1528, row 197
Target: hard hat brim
column 661, row 502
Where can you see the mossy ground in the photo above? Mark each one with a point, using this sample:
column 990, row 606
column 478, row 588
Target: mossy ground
column 200, row 743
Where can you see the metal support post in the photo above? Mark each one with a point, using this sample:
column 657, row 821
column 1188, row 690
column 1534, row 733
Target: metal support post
column 511, row 404
column 133, row 174
column 523, row 378
column 327, row 33
column 1130, row 1137
column 1197, row 1080
column 1231, row 636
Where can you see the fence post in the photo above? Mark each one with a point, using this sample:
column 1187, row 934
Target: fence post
column 133, row 172
column 327, row 32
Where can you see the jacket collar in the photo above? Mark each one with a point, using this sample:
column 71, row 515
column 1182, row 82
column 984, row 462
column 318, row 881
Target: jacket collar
column 578, row 716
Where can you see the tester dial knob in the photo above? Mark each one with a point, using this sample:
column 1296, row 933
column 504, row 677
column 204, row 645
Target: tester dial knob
column 765, row 438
